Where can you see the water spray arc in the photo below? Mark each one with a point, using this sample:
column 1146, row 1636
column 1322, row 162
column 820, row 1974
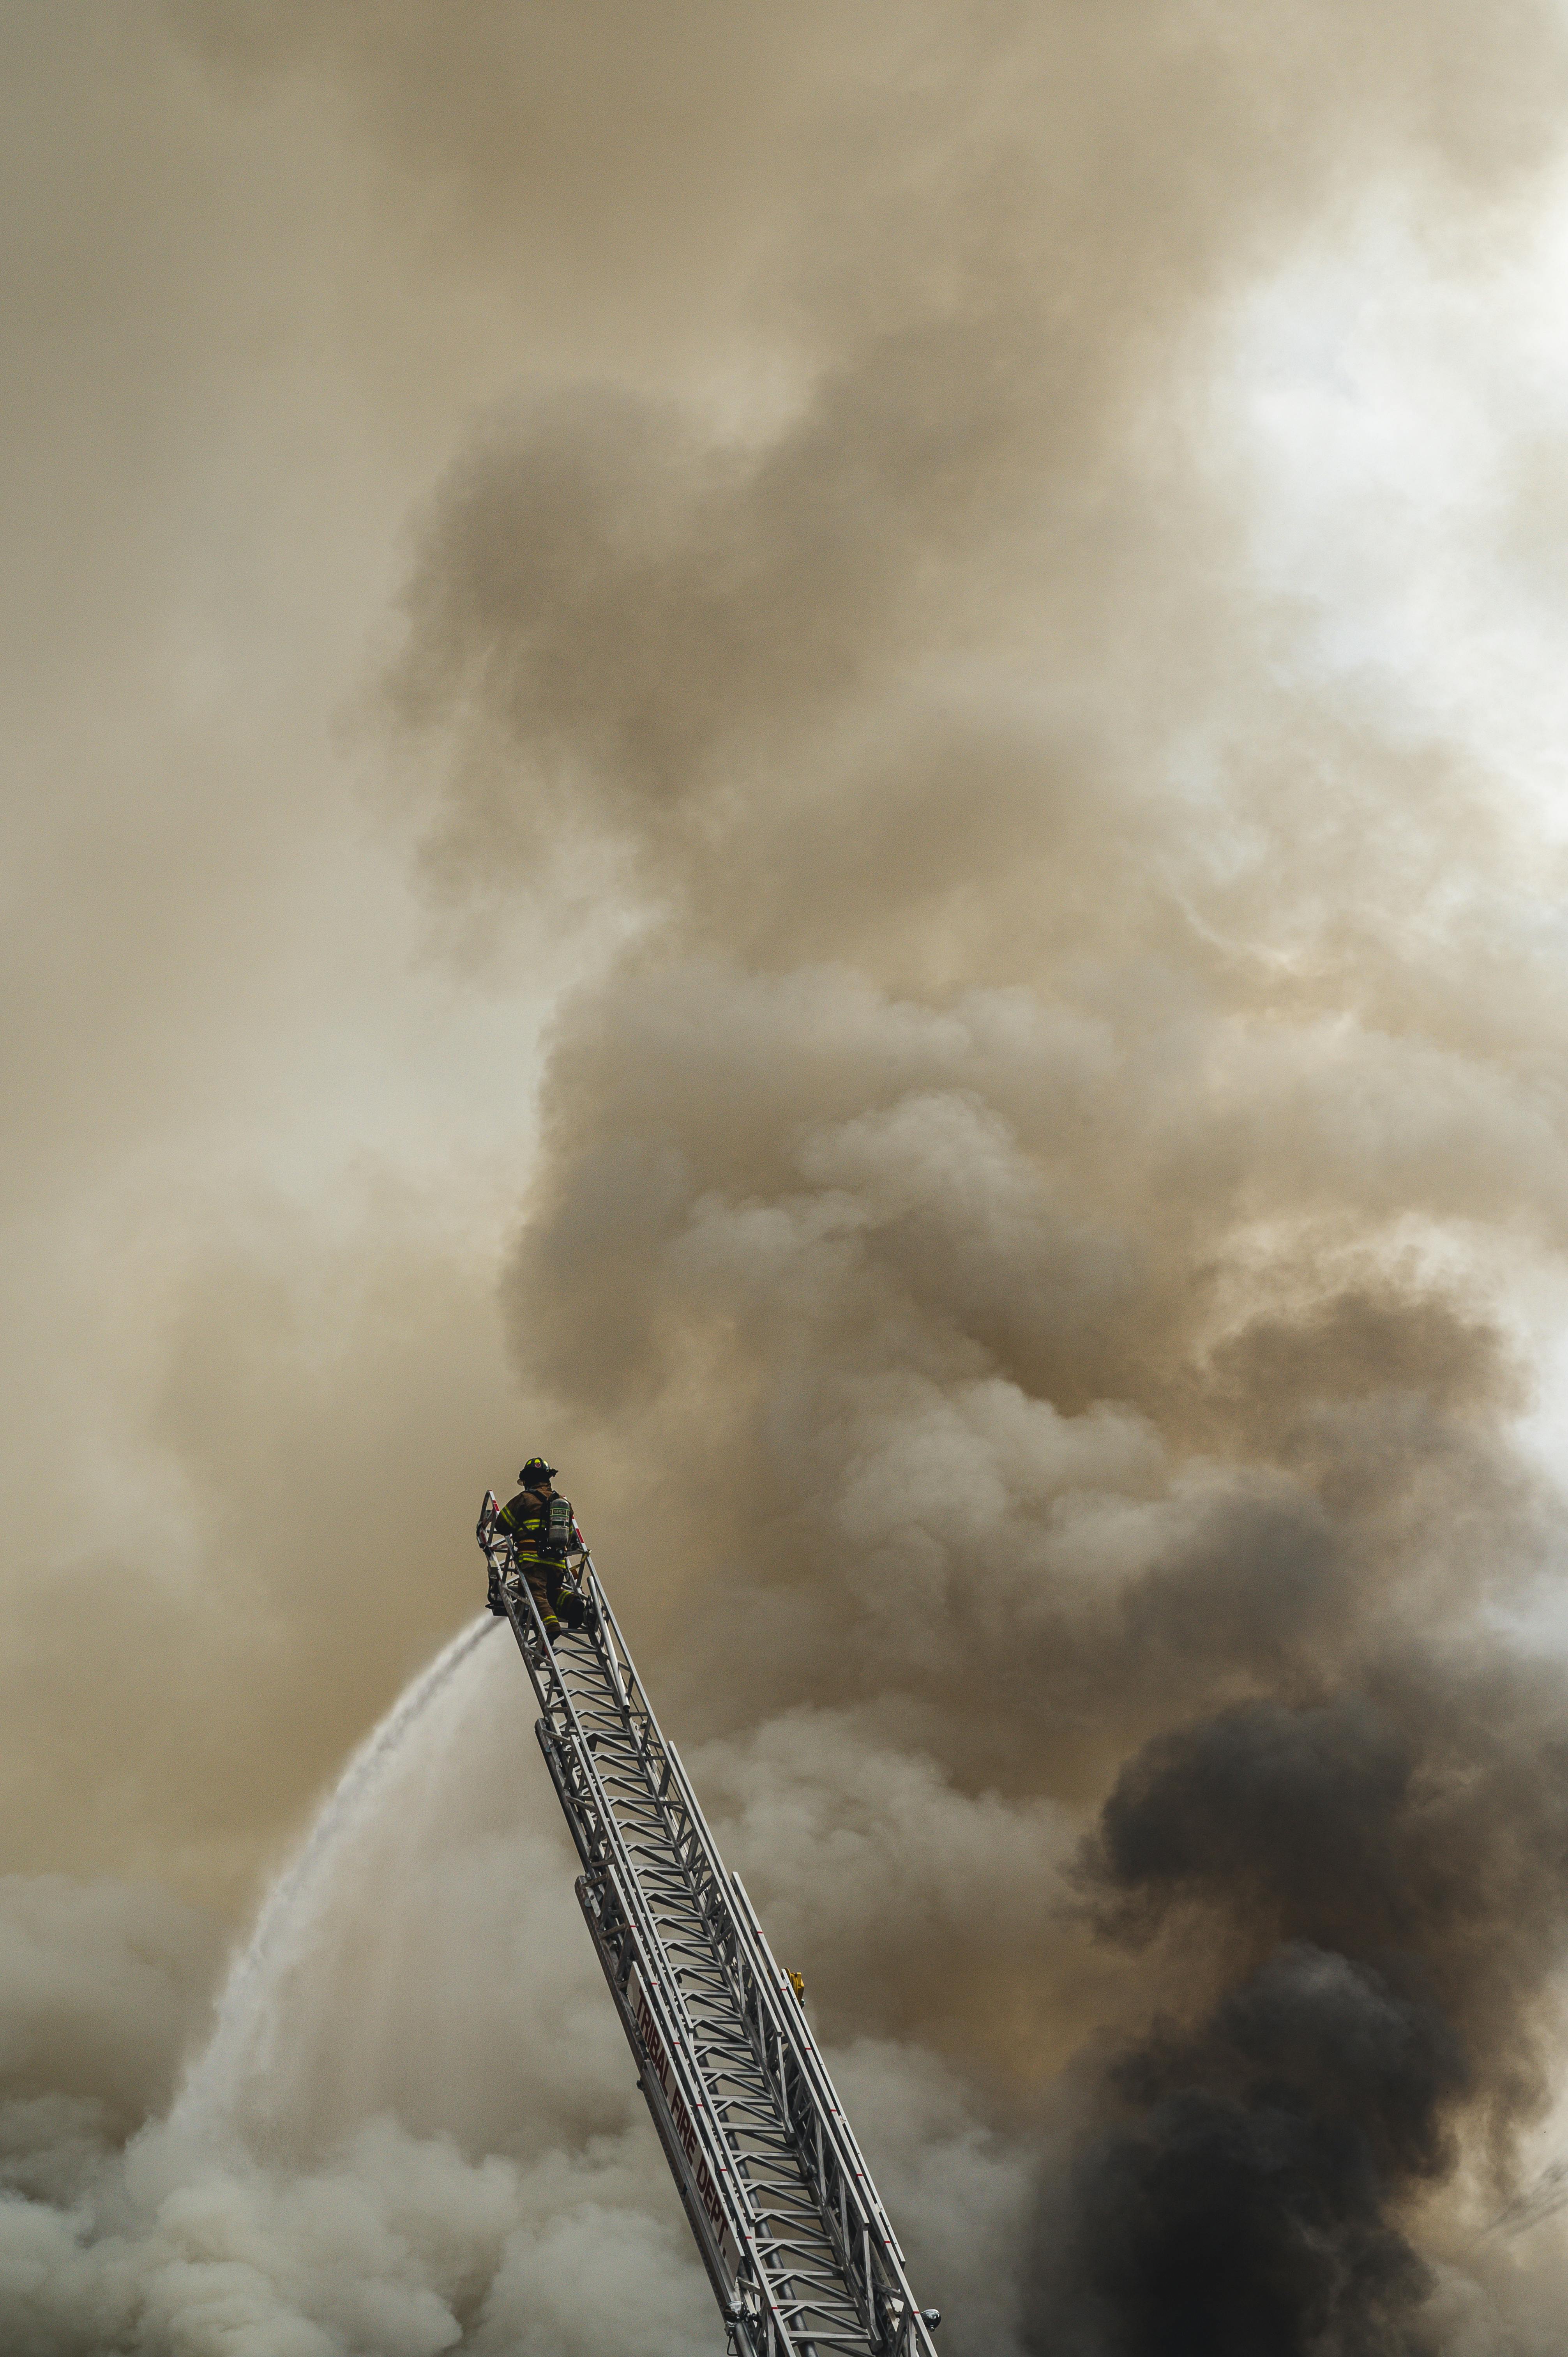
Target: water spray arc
column 798, row 2247
column 206, row 2105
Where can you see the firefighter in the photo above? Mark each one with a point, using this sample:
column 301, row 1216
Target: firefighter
column 543, row 1539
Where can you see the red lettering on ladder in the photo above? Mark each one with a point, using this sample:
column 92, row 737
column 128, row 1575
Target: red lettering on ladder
column 684, row 2127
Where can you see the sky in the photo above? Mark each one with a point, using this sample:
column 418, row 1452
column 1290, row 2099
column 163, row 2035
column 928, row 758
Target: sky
column 816, row 757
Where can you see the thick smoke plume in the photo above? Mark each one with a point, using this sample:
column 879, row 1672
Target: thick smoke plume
column 1048, row 1193
column 990, row 1227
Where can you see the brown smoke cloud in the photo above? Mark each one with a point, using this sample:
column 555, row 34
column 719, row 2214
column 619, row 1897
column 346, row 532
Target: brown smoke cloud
column 978, row 1201
column 1046, row 1155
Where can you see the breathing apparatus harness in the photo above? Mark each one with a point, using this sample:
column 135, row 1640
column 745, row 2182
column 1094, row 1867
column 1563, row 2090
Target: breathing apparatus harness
column 554, row 1537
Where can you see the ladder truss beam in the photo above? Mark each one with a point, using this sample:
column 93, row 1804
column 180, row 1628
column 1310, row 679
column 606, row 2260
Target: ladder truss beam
column 797, row 2245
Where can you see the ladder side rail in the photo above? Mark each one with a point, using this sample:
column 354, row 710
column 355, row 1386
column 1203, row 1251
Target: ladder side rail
column 633, row 1703
column 703, row 1988
column 785, row 2019
column 676, row 1798
column 831, row 2160
column 591, row 1815
column 589, row 1810
column 703, row 1871
column 754, row 2318
column 669, row 1784
column 810, row 2057
column 747, row 2287
column 876, row 2269
column 653, row 1743
column 872, row 2258
column 745, row 1930
column 596, row 1835
column 587, row 1801
column 786, row 2051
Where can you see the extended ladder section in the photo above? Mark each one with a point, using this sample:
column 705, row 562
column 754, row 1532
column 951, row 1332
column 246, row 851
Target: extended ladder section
column 791, row 2228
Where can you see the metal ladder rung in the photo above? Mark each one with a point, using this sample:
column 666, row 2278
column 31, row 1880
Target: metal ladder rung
column 773, row 2182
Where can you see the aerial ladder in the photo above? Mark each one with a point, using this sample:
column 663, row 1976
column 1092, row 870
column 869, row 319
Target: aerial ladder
column 800, row 2251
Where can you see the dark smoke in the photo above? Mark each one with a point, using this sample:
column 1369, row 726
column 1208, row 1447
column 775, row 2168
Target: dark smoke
column 1400, row 1868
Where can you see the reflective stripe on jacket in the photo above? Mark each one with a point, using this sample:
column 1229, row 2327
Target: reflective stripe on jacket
column 527, row 1520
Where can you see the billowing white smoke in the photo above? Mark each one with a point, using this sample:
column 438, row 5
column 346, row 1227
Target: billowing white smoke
column 414, row 2125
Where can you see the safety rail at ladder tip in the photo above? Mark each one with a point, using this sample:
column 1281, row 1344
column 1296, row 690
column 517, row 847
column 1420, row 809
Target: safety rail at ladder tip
column 798, row 2249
